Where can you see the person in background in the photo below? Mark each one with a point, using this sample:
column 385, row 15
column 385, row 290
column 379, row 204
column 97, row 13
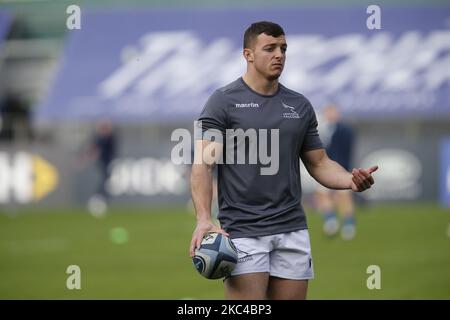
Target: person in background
column 102, row 149
column 338, row 139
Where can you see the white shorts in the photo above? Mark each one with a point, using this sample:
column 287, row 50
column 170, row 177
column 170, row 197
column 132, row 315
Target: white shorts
column 284, row 255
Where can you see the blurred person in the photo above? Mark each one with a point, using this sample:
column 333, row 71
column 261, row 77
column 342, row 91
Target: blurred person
column 338, row 139
column 102, row 149
column 15, row 124
column 7, row 106
column 262, row 214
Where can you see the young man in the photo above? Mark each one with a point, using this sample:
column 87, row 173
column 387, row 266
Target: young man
column 260, row 210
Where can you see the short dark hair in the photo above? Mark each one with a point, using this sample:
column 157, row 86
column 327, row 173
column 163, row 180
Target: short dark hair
column 255, row 29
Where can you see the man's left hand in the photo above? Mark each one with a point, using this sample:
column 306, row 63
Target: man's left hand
column 362, row 179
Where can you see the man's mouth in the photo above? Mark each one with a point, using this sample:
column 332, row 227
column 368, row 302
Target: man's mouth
column 277, row 65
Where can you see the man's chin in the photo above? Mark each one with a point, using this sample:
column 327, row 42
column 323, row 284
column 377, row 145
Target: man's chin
column 273, row 77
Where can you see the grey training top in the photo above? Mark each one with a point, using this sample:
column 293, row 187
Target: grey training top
column 251, row 203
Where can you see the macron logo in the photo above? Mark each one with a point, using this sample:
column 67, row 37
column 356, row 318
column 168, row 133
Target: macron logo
column 247, row 105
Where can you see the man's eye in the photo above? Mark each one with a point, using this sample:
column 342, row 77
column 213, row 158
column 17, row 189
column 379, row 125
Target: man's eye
column 269, row 49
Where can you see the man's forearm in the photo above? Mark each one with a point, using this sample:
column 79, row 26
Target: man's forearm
column 201, row 190
column 332, row 175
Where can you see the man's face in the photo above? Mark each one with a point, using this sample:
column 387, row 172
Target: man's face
column 269, row 54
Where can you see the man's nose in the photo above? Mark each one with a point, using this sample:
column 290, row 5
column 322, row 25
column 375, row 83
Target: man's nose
column 278, row 53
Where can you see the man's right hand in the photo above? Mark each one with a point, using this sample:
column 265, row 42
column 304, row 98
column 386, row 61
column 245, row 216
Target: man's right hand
column 202, row 228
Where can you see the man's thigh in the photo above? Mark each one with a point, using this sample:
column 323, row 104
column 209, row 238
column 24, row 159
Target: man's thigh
column 287, row 289
column 249, row 286
column 250, row 277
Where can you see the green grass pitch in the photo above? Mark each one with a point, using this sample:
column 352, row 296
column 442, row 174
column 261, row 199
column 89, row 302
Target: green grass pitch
column 143, row 254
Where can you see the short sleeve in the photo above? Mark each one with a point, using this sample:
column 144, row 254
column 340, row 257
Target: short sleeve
column 312, row 140
column 213, row 119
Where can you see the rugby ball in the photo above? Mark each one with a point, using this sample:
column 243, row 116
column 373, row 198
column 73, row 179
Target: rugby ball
column 216, row 257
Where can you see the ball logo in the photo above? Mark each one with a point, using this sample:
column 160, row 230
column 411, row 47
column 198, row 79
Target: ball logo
column 199, row 263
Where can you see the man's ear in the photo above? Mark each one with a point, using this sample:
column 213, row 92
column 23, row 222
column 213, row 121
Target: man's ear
column 248, row 55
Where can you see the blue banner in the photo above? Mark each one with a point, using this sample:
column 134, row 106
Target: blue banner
column 445, row 173
column 162, row 65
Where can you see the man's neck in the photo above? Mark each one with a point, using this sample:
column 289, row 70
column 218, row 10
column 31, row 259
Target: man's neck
column 261, row 85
